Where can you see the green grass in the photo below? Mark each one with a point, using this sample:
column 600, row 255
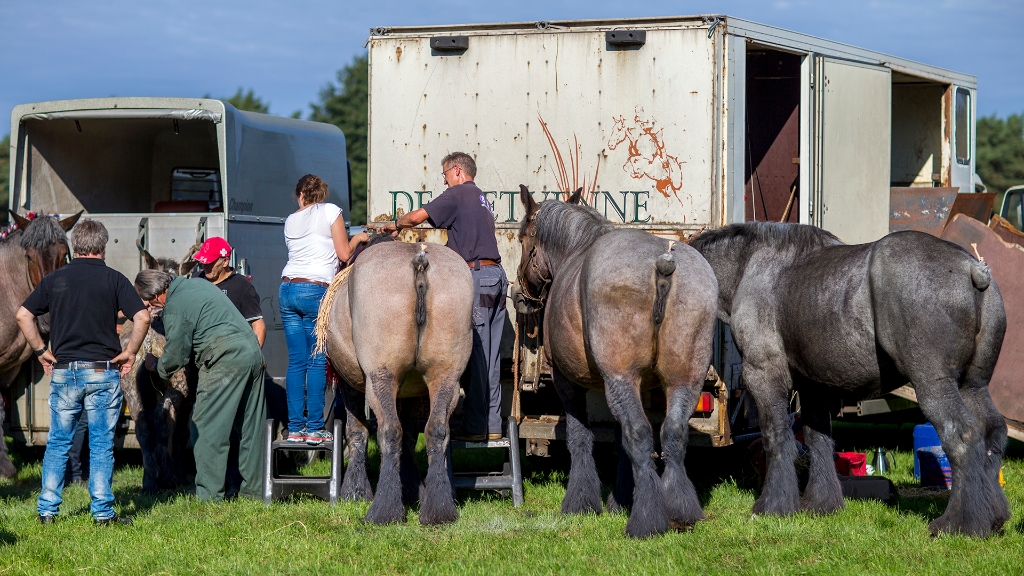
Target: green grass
column 175, row 534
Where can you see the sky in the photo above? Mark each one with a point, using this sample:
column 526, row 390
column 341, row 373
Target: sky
column 287, row 51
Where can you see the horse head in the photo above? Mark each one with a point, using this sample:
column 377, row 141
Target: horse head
column 45, row 242
column 533, row 276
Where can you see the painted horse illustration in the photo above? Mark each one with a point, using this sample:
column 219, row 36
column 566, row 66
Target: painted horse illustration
column 624, row 311
column 647, row 157
column 831, row 321
column 399, row 326
column 29, row 249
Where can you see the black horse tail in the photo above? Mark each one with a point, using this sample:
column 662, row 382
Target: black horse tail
column 419, row 265
column 981, row 277
column 665, row 265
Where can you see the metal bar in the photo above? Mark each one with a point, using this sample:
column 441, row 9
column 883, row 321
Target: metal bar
column 513, row 456
column 268, row 464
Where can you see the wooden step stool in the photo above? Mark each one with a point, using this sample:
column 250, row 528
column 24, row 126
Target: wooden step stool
column 277, row 486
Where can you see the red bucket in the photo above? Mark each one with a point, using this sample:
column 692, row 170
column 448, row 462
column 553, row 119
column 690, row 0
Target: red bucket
column 851, row 463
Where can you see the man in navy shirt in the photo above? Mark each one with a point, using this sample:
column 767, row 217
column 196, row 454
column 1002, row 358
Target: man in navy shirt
column 86, row 364
column 463, row 210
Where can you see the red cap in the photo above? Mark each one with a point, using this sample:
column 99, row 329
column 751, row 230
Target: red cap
column 212, row 249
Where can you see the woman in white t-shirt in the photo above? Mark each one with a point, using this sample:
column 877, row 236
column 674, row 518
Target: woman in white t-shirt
column 317, row 240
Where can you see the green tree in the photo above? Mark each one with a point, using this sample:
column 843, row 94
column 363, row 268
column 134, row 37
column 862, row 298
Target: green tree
column 345, row 105
column 1001, row 151
column 247, row 101
column 5, row 172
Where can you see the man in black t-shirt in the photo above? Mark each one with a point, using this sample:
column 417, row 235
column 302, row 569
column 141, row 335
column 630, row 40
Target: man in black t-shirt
column 215, row 255
column 463, row 210
column 86, row 364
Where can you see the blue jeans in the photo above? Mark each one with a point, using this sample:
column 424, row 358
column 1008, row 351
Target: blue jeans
column 99, row 393
column 306, row 378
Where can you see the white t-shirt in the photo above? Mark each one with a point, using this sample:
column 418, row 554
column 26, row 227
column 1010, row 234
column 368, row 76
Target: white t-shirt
column 307, row 233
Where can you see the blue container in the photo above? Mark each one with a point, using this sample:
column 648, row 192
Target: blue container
column 935, row 469
column 925, row 436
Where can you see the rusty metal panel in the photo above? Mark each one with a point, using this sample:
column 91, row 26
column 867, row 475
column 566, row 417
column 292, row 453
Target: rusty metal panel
column 919, row 208
column 1006, row 261
column 1002, row 227
column 976, row 206
column 554, row 110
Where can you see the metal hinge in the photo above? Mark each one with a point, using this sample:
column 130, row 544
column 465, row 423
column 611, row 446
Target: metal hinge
column 376, row 31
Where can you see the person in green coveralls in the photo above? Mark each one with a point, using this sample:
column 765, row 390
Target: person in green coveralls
column 198, row 318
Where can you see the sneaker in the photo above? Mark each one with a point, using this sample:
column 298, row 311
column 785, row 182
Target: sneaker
column 297, row 437
column 113, row 521
column 47, row 518
column 319, row 437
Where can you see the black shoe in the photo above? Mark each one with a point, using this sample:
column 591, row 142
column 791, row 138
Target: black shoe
column 113, row 520
column 47, row 519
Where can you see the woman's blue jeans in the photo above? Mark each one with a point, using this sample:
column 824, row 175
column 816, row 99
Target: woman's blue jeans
column 306, row 379
column 98, row 392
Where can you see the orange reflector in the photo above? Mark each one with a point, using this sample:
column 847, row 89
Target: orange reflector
column 706, row 402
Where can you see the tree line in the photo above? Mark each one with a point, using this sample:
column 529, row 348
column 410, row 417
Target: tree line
column 344, row 103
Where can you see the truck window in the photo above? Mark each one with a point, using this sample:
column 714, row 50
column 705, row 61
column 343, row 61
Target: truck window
column 963, row 126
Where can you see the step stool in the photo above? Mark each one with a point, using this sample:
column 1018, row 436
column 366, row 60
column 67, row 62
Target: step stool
column 276, row 486
column 511, row 477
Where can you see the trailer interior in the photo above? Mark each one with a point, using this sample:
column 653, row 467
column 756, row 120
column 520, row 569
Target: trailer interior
column 121, row 165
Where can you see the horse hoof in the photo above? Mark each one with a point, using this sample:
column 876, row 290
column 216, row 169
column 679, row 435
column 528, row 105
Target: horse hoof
column 764, row 507
column 7, row 469
column 612, row 505
column 443, row 514
column 682, row 526
column 378, row 514
column 646, row 527
column 945, row 525
column 821, row 508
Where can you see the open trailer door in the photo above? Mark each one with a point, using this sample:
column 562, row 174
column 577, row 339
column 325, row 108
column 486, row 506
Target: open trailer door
column 851, row 138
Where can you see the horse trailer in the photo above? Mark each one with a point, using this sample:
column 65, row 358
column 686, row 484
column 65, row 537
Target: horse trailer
column 671, row 125
column 163, row 174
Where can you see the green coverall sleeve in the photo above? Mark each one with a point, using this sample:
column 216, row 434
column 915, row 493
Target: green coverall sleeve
column 178, row 348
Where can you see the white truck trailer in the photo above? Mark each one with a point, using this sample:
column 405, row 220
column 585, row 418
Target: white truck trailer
column 669, row 124
column 163, row 174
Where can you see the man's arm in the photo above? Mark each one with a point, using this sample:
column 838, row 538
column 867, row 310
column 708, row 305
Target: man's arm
column 140, row 327
column 27, row 323
column 260, row 328
column 409, row 220
column 178, row 348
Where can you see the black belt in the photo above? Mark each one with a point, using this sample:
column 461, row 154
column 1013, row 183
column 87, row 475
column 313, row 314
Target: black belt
column 83, row 365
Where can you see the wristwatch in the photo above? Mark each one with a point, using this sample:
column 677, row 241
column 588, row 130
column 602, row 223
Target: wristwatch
column 40, row 352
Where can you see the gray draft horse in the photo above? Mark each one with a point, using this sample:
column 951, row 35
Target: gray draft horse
column 160, row 408
column 851, row 322
column 30, row 251
column 624, row 311
column 401, row 328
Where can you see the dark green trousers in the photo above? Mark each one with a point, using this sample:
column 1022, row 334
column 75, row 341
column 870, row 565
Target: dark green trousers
column 229, row 397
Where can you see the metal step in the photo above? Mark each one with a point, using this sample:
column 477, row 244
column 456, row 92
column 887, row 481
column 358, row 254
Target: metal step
column 277, row 486
column 511, row 478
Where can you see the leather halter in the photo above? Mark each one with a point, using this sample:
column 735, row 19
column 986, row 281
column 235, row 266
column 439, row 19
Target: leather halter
column 524, row 286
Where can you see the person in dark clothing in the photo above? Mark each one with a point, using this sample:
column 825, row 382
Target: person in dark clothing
column 78, row 456
column 86, row 364
column 463, row 210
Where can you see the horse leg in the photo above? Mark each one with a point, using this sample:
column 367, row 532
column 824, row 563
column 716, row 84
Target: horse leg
column 621, row 496
column 387, row 505
column 980, row 403
column 438, row 505
column 355, row 485
column 648, row 515
column 583, row 493
column 971, row 509
column 131, row 389
column 769, row 386
column 7, row 468
column 410, row 474
column 680, row 496
column 823, row 494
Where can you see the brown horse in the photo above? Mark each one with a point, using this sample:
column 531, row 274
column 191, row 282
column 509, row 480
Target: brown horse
column 29, row 250
column 401, row 328
column 160, row 408
column 624, row 311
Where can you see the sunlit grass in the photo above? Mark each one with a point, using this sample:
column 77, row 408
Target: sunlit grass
column 175, row 534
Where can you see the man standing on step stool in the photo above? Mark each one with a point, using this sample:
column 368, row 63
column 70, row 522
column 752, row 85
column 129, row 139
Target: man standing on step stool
column 463, row 210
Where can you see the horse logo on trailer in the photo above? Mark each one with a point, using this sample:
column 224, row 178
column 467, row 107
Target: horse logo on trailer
column 647, row 156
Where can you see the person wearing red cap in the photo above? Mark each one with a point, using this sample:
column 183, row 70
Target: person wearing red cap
column 215, row 257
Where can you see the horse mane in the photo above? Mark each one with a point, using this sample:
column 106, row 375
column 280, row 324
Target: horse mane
column 564, row 229
column 42, row 232
column 799, row 237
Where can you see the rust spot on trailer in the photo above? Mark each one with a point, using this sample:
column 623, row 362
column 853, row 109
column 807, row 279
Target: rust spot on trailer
column 398, row 54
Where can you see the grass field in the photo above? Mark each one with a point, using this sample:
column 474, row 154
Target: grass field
column 175, row 534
